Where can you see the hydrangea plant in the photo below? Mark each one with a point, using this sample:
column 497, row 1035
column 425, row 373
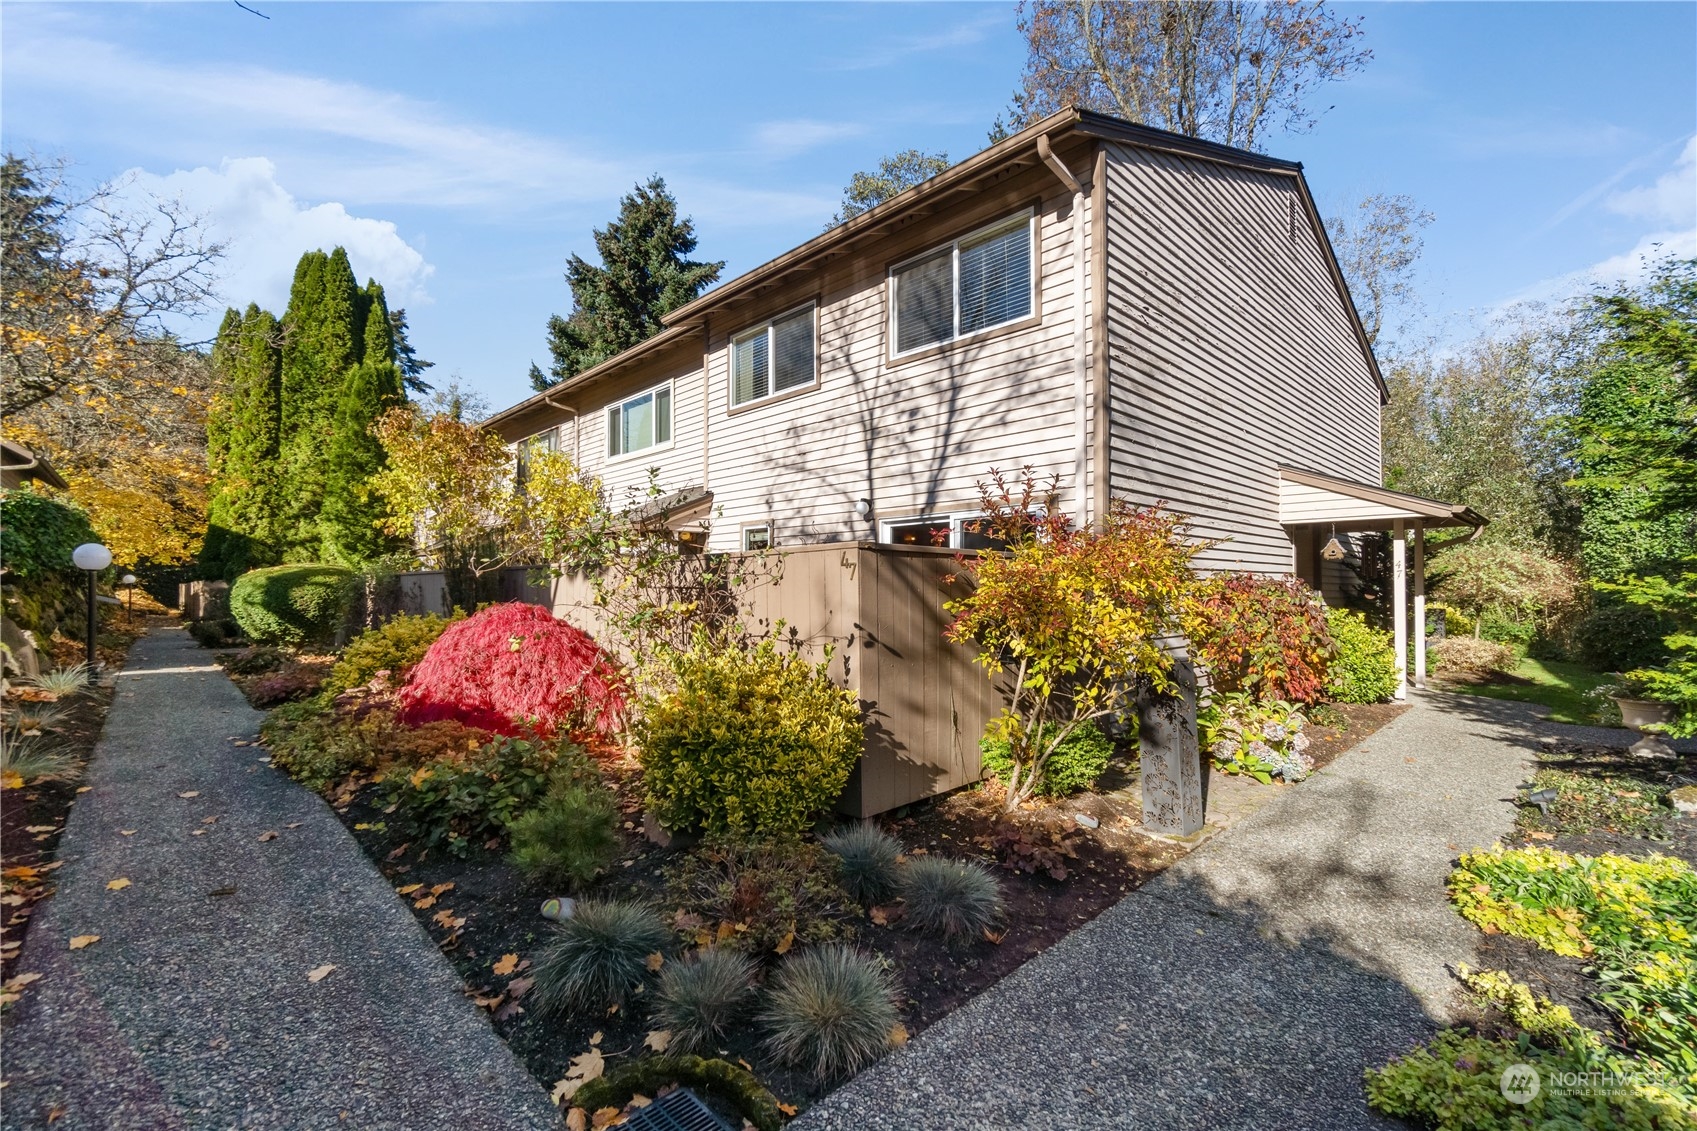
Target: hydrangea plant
column 1263, row 740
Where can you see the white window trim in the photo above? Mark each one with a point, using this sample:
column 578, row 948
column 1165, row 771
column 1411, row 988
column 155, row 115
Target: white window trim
column 1030, row 217
column 773, row 393
column 750, row 529
column 625, row 457
column 887, row 527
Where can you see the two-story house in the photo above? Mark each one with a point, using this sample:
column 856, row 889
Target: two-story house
column 1148, row 315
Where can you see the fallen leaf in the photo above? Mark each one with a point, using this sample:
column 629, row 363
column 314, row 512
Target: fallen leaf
column 726, row 930
column 510, row 1010
column 595, row 1041
column 438, row 889
column 118, row 884
column 56, row 1113
column 786, row 942
column 577, row 1119
column 638, row 1102
column 507, row 964
column 212, row 820
column 22, row 980
column 880, row 916
column 11, row 779
column 687, row 920
column 81, row 941
column 227, row 890
column 657, row 960
column 898, row 1035
column 1535, row 835
column 292, row 825
column 518, row 987
column 425, row 903
column 658, row 1040
column 408, row 890
column 444, row 917
column 994, row 937
column 788, row 1109
column 198, row 832
column 41, row 828
column 488, row 1002
column 604, row 1117
column 84, row 788
column 270, row 834
column 562, row 1090
column 126, row 832
column 189, row 794
column 319, row 973
column 583, row 1068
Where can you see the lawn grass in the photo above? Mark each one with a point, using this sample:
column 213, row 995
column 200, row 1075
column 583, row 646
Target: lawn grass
column 1557, row 685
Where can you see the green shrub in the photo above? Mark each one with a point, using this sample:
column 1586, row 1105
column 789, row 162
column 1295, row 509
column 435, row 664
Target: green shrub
column 868, row 861
column 216, row 633
column 1074, row 766
column 753, row 742
column 1262, row 740
column 254, row 661
column 1456, row 1083
column 719, row 1079
column 291, row 604
column 469, row 798
column 957, row 899
column 573, row 833
column 594, row 960
column 770, row 894
column 1363, row 668
column 315, row 747
column 394, row 647
column 697, row 1001
column 40, row 534
column 831, row 1010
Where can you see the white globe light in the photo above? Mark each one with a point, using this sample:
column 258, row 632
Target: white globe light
column 128, row 579
column 91, row 556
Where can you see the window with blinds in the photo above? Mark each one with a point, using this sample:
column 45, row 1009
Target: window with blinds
column 643, row 421
column 978, row 282
column 773, row 358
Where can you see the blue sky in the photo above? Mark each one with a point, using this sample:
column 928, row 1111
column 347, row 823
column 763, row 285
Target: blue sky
column 463, row 151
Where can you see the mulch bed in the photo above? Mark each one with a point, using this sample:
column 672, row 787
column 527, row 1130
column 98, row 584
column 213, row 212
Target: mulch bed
column 32, row 818
column 1636, row 784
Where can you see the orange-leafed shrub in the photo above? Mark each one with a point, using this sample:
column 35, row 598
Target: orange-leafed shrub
column 514, row 668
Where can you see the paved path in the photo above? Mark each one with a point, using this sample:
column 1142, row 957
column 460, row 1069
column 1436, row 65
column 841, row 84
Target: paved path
column 1249, row 985
column 194, row 1009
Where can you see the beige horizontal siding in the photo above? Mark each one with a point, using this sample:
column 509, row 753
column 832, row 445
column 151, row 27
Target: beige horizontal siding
column 1230, row 352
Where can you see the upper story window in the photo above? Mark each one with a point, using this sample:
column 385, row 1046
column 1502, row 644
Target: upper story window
column 643, row 421
column 773, row 358
column 978, row 282
column 532, row 446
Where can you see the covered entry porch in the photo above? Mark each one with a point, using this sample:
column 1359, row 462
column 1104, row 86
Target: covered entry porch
column 1315, row 508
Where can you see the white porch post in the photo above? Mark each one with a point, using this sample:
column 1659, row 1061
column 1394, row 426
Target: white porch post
column 1420, row 605
column 1399, row 604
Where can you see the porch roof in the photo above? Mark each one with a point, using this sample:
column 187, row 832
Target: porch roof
column 1311, row 498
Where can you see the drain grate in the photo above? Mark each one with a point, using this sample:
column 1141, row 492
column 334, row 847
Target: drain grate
column 681, row 1110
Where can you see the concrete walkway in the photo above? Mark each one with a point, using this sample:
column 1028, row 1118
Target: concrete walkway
column 194, row 1008
column 1249, row 985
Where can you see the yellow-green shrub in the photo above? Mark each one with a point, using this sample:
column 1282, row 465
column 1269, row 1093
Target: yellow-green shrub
column 394, row 646
column 749, row 741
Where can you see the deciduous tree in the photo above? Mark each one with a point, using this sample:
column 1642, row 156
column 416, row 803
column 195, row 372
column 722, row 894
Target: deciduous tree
column 1224, row 70
column 895, row 174
column 1377, row 244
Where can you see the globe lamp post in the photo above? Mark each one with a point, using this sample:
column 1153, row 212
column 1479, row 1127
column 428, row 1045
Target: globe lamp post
column 91, row 557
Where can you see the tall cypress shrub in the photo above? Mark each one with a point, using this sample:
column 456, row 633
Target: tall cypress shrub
column 245, row 514
column 322, row 339
column 352, row 511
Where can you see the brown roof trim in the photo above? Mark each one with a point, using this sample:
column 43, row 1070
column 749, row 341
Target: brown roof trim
column 594, row 373
column 1447, row 513
column 1016, row 152
column 34, row 466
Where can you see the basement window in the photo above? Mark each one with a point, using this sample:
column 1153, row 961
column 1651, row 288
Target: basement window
column 983, row 280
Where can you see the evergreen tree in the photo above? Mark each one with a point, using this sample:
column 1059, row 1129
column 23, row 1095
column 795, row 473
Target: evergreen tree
column 377, row 332
column 245, row 517
column 322, row 339
column 644, row 275
column 539, row 380
column 412, row 366
column 352, row 513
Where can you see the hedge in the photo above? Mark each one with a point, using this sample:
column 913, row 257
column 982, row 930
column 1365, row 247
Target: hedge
column 291, row 604
column 40, row 534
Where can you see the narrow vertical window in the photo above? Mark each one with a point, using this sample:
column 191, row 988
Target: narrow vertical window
column 773, row 358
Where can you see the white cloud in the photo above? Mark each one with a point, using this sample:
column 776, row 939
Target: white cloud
column 903, row 47
column 1671, row 200
column 797, row 135
column 268, row 230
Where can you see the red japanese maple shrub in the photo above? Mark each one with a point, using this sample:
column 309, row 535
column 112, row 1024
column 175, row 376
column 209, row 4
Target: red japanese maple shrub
column 1263, row 635
column 513, row 668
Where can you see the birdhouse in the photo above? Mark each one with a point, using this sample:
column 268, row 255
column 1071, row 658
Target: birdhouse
column 1333, row 550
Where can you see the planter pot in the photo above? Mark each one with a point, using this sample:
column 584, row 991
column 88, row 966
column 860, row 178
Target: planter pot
column 1637, row 714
